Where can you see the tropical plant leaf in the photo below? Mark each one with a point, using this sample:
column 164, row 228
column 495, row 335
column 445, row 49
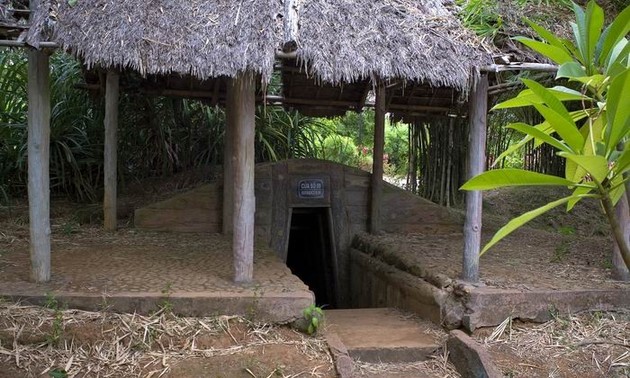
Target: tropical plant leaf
column 528, row 98
column 548, row 36
column 537, row 134
column 556, row 54
column 570, row 70
column 567, row 129
column 596, row 166
column 519, row 221
column 618, row 110
column 499, row 178
column 614, row 33
column 577, row 194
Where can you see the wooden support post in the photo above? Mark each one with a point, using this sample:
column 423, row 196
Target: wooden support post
column 377, row 162
column 228, row 156
column 110, row 161
column 244, row 111
column 476, row 165
column 620, row 270
column 38, row 163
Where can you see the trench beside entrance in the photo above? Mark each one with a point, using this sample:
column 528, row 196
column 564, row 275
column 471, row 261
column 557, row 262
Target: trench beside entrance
column 311, row 252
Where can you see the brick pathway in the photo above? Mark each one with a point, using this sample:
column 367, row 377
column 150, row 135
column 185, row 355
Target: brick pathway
column 132, row 263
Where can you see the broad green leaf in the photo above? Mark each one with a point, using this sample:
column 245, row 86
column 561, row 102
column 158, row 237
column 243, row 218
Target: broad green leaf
column 570, row 70
column 618, row 188
column 519, row 221
column 548, row 98
column 595, row 22
column 567, row 129
column 593, row 81
column 573, row 172
column 580, row 190
column 556, row 54
column 623, row 162
column 596, row 166
column 620, row 52
column 548, row 36
column 616, row 31
column 618, row 110
column 527, row 98
column 500, row 178
column 539, row 135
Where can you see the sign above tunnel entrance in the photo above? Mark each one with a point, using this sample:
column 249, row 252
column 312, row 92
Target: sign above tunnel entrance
column 310, row 191
column 311, row 188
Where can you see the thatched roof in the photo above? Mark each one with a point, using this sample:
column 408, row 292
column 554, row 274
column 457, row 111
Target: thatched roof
column 416, row 40
column 198, row 37
column 339, row 40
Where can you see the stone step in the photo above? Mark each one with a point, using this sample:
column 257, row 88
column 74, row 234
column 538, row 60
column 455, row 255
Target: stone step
column 381, row 334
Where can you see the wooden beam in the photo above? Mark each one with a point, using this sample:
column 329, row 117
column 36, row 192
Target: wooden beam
column 38, row 164
column 376, row 197
column 110, row 162
column 244, row 205
column 291, row 19
column 352, row 105
column 542, row 67
column 12, row 43
column 476, row 164
column 228, row 156
column 364, row 96
column 215, row 92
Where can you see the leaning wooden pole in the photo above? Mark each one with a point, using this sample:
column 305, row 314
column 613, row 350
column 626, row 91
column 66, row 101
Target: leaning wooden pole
column 38, row 163
column 228, row 163
column 476, row 165
column 110, row 161
column 376, row 197
column 244, row 204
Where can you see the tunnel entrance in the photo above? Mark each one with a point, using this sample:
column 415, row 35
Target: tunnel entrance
column 311, row 252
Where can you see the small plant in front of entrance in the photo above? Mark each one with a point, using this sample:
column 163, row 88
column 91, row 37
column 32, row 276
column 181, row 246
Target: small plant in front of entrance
column 314, row 318
column 56, row 329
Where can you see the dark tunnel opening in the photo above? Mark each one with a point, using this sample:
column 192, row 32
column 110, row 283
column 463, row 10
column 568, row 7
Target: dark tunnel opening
column 310, row 254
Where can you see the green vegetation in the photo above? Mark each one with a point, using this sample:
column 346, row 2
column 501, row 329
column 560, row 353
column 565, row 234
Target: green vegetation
column 56, row 329
column 314, row 318
column 594, row 139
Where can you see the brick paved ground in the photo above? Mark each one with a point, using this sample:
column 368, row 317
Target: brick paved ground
column 130, row 263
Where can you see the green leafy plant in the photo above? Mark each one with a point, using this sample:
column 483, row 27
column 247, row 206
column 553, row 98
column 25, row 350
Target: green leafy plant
column 166, row 305
column 592, row 135
column 58, row 373
column 314, row 316
column 56, row 328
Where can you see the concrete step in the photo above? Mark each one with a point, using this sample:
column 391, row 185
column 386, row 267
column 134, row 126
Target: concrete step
column 381, row 334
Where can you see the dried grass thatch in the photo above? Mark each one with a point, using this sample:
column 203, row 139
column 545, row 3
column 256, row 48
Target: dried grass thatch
column 202, row 38
column 344, row 41
column 339, row 41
